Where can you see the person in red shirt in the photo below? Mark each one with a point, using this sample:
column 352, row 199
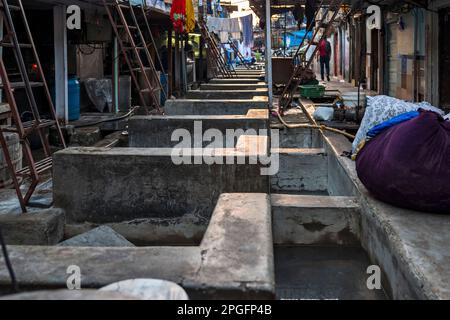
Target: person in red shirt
column 325, row 56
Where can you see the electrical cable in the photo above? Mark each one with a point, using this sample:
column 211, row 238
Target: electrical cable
column 313, row 126
column 130, row 113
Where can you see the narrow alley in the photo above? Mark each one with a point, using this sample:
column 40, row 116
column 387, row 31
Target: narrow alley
column 224, row 150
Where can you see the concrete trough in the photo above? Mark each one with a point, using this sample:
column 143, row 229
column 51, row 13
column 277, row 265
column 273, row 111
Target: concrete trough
column 214, row 107
column 226, row 94
column 248, row 73
column 103, row 185
column 233, row 261
column 233, row 86
column 157, row 131
column 410, row 247
column 315, row 220
column 244, row 76
column 301, row 170
column 234, row 81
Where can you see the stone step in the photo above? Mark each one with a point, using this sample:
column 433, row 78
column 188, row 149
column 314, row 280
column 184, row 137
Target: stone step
column 300, row 169
column 39, row 228
column 315, row 220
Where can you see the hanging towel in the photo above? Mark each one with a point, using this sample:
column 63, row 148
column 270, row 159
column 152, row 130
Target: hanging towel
column 234, row 25
column 190, row 18
column 247, row 30
column 209, row 7
column 178, row 14
column 214, row 24
column 218, row 25
column 223, row 36
column 236, row 35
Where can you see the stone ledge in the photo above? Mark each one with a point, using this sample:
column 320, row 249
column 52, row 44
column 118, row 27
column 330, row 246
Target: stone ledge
column 41, row 228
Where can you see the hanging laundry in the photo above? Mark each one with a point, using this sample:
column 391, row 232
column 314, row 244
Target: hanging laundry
column 234, row 25
column 247, row 30
column 178, row 15
column 223, row 35
column 236, row 35
column 218, row 25
column 190, row 17
column 209, row 9
column 310, row 12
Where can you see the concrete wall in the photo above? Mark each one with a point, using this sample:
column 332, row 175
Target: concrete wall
column 226, row 94
column 315, row 220
column 156, row 131
column 214, row 107
column 112, row 185
column 300, row 138
column 238, row 86
column 301, row 170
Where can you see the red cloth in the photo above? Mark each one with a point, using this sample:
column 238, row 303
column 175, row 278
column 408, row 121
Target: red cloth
column 323, row 48
column 178, row 15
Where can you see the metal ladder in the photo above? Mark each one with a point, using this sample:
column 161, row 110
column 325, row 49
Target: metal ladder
column 132, row 43
column 150, row 40
column 38, row 125
column 299, row 70
column 238, row 53
column 214, row 53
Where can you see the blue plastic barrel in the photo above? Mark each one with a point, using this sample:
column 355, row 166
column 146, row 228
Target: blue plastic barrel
column 74, row 98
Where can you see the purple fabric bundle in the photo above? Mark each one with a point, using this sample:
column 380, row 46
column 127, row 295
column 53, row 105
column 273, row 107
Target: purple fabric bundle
column 409, row 164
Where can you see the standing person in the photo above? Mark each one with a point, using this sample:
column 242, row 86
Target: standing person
column 325, row 56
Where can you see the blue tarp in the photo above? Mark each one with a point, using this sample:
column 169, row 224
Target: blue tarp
column 296, row 37
column 391, row 123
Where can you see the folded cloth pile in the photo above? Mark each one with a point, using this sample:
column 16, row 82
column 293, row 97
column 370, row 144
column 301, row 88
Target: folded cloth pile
column 382, row 108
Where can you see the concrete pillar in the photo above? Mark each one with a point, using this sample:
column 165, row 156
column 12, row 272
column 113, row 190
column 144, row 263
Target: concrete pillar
column 60, row 43
column 170, row 61
column 269, row 54
column 115, row 75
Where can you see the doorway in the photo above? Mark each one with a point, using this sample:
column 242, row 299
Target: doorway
column 444, row 59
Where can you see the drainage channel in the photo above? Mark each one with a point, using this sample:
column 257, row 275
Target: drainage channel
column 323, row 272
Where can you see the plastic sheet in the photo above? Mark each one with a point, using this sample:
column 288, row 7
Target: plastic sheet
column 100, row 93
